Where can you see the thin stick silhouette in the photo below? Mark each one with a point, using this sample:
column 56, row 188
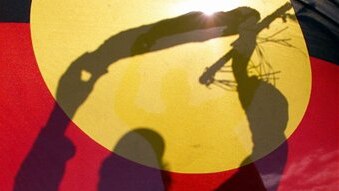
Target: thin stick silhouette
column 207, row 77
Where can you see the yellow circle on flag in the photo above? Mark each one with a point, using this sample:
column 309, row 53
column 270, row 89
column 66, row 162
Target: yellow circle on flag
column 205, row 129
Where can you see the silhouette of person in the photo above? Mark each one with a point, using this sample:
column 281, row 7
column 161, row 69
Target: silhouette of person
column 44, row 166
column 265, row 106
column 145, row 146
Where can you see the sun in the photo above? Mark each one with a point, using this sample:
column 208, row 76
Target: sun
column 208, row 7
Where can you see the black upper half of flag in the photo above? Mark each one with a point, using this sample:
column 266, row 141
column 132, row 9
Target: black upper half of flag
column 15, row 11
column 319, row 21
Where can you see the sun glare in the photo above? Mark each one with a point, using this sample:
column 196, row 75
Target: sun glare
column 208, row 7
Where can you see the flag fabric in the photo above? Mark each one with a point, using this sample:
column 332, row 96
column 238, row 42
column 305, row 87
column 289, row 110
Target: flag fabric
column 43, row 149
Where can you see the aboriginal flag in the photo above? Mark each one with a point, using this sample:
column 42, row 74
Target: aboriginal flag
column 44, row 146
